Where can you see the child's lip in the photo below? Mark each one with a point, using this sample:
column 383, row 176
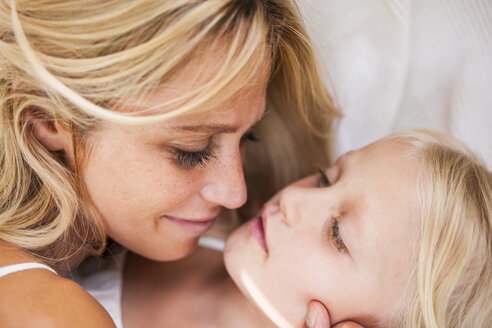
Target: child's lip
column 258, row 232
column 264, row 217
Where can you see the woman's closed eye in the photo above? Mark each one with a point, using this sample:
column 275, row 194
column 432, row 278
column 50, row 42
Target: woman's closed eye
column 190, row 159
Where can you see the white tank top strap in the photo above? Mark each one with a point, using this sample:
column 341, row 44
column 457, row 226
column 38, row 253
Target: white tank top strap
column 23, row 266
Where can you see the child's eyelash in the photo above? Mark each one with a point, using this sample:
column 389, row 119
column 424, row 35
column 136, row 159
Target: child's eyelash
column 190, row 159
column 250, row 136
column 323, row 180
column 335, row 236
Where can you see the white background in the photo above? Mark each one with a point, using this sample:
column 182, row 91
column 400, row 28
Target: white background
column 400, row 64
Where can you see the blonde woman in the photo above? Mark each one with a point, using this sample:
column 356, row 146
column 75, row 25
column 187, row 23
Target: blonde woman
column 128, row 120
column 396, row 234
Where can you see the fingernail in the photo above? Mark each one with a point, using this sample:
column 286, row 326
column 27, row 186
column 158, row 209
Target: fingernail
column 311, row 317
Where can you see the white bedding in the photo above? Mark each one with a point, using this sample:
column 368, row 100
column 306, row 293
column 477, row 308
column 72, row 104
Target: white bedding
column 402, row 64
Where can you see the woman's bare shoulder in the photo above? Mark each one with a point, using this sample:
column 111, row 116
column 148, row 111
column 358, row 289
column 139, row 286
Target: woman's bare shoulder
column 40, row 298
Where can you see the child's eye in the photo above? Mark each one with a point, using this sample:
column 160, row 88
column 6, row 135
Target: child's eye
column 190, row 159
column 249, row 136
column 323, row 181
column 335, row 236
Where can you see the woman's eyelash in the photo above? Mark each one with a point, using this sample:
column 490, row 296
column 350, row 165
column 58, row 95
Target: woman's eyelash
column 190, row 159
column 335, row 236
column 323, row 180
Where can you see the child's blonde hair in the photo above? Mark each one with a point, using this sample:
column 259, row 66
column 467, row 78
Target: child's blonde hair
column 452, row 281
column 79, row 61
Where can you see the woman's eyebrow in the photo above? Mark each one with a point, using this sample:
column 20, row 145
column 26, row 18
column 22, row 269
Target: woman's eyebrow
column 212, row 128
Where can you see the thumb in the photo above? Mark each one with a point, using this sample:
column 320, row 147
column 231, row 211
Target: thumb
column 348, row 324
column 317, row 316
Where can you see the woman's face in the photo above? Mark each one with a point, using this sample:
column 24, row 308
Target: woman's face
column 348, row 245
column 157, row 188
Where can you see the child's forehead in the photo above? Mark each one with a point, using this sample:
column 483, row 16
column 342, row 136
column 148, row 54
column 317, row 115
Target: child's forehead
column 378, row 159
column 383, row 177
column 389, row 146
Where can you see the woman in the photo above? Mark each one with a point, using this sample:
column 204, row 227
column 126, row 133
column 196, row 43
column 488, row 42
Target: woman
column 128, row 120
column 397, row 234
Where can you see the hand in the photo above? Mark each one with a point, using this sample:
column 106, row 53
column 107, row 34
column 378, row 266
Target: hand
column 318, row 317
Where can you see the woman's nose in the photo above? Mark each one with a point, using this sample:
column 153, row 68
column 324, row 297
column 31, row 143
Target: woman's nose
column 226, row 186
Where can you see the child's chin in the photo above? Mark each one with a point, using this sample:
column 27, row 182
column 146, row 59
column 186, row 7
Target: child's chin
column 234, row 245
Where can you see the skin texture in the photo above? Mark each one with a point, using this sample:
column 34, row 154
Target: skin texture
column 135, row 180
column 39, row 298
column 194, row 292
column 138, row 182
column 373, row 196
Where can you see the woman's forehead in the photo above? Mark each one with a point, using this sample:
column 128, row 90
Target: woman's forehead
column 201, row 75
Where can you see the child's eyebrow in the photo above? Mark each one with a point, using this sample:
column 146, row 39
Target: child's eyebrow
column 344, row 158
column 351, row 214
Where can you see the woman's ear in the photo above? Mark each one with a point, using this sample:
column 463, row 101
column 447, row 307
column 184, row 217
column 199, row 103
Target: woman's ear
column 48, row 131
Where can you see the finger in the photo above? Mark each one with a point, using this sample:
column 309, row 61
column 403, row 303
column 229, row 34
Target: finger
column 317, row 316
column 348, row 324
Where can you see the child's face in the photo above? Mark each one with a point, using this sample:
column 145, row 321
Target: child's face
column 348, row 245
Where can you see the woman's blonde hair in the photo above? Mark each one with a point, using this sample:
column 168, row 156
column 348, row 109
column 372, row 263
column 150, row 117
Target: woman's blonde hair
column 452, row 281
column 79, row 62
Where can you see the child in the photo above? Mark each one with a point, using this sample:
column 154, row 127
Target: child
column 397, row 234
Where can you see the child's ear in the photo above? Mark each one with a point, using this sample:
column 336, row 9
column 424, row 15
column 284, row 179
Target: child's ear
column 48, row 131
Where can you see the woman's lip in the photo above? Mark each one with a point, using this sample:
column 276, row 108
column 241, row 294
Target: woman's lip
column 198, row 226
column 257, row 230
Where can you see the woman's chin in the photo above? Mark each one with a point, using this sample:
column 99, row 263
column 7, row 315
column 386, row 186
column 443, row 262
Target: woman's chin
column 167, row 252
